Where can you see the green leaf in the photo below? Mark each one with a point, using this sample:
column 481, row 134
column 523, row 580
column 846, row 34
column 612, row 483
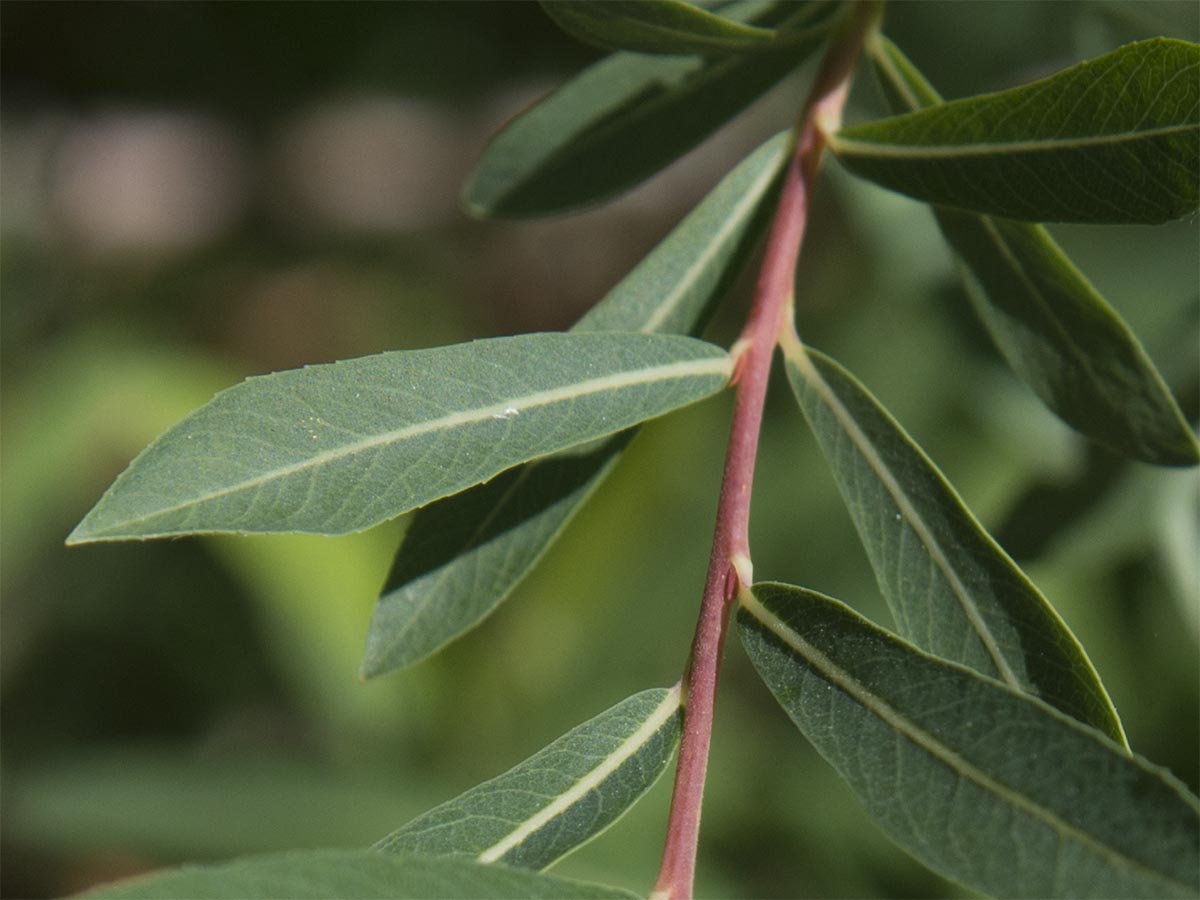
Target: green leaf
column 629, row 115
column 560, row 797
column 463, row 555
column 1115, row 139
column 674, row 289
column 350, row 875
column 653, row 26
column 1056, row 332
column 1065, row 341
column 985, row 785
column 337, row 448
column 950, row 587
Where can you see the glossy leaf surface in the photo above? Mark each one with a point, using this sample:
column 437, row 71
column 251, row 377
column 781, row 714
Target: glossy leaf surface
column 653, row 26
column 337, row 448
column 1056, row 332
column 629, row 115
column 463, row 555
column 952, row 590
column 1114, row 139
column 560, row 797
column 350, row 875
column 985, row 785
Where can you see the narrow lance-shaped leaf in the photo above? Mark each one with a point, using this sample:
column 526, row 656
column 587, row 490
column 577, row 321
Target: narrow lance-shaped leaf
column 350, row 875
column 629, row 115
column 1115, row 139
column 1056, row 332
column 951, row 588
column 337, row 448
column 654, row 26
column 988, row 786
column 561, row 796
column 463, row 555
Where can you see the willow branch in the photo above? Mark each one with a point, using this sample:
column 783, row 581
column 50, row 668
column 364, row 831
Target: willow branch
column 730, row 568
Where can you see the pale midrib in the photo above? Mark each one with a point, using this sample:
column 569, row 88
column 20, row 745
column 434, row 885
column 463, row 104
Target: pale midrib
column 731, row 222
column 679, row 85
column 720, row 365
column 893, row 719
column 589, row 782
column 858, row 148
column 884, row 60
column 799, row 358
column 1002, row 244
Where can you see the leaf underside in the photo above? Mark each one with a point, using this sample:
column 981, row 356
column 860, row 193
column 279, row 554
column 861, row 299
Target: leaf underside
column 559, row 798
column 951, row 589
column 987, row 786
column 464, row 554
column 1112, row 140
column 350, row 875
column 1054, row 329
column 626, row 117
column 338, row 448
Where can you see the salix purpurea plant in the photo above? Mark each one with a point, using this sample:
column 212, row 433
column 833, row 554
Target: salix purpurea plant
column 973, row 728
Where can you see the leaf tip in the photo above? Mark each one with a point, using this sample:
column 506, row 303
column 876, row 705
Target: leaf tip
column 1190, row 458
column 77, row 537
column 1186, row 454
column 98, row 527
column 382, row 655
column 472, row 207
column 83, row 533
column 1178, row 449
column 370, row 668
column 472, row 200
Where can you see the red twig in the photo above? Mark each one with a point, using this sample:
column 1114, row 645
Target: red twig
column 729, row 567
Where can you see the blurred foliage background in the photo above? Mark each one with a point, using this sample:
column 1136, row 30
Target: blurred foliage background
column 194, row 192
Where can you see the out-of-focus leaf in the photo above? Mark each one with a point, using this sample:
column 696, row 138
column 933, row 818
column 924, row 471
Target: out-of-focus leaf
column 338, row 448
column 314, row 643
column 1056, row 332
column 561, row 796
column 952, row 590
column 131, row 794
column 654, row 26
column 464, row 554
column 981, row 783
column 629, row 115
column 350, row 875
column 1114, row 139
column 1178, row 535
column 84, row 405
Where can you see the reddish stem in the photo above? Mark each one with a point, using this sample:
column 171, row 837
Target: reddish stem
column 729, row 566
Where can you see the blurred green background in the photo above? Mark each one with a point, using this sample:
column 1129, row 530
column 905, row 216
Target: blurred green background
column 195, row 192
